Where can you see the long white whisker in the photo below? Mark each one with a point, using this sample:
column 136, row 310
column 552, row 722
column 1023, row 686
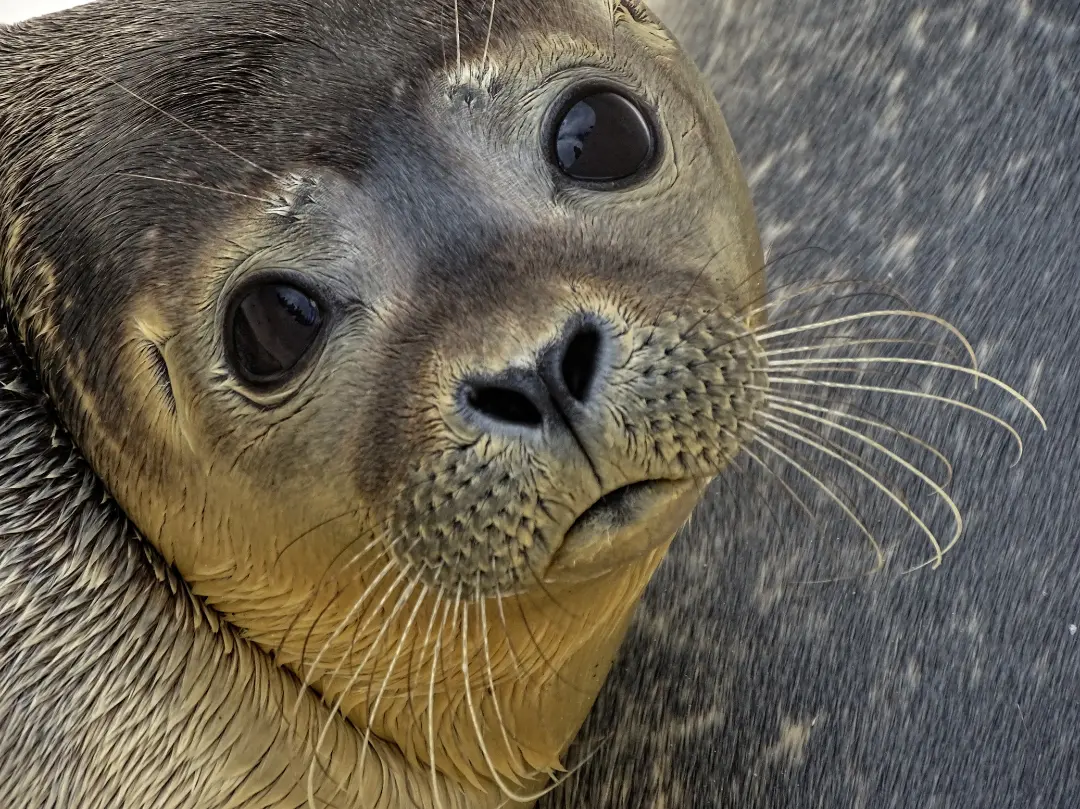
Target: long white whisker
column 182, row 124
column 947, row 366
column 491, row 678
column 169, row 181
column 372, row 709
column 916, row 394
column 794, row 495
column 339, row 572
column 509, row 644
column 769, row 445
column 487, row 41
column 938, row 490
column 431, row 706
column 457, row 34
column 793, row 431
column 499, row 781
column 359, row 669
column 358, row 605
column 851, row 342
column 765, row 333
column 881, row 425
column 311, row 670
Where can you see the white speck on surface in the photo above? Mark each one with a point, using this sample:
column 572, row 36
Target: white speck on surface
column 915, row 28
column 970, row 33
column 1072, row 629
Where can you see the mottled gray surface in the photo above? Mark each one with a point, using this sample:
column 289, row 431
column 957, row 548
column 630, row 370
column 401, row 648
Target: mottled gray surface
column 936, row 145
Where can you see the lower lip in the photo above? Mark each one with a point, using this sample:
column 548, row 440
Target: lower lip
column 605, row 539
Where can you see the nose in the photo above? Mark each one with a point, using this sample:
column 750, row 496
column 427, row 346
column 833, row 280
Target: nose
column 552, row 393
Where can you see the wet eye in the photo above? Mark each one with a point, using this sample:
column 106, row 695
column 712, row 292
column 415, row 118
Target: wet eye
column 603, row 137
column 272, row 328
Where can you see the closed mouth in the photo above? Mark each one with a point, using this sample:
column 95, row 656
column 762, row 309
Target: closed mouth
column 623, row 525
column 617, row 506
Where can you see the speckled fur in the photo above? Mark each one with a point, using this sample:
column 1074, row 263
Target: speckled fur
column 934, row 146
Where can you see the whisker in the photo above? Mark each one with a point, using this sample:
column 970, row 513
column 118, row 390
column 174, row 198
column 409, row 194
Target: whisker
column 768, row 333
column 457, row 34
column 491, row 676
column 784, row 484
column 946, row 366
column 881, row 425
column 876, row 290
column 185, row 184
column 182, row 124
column 338, row 572
column 412, row 665
column 694, row 282
column 506, row 790
column 472, row 707
column 828, row 492
column 318, row 586
column 787, row 428
column 373, row 708
column 313, row 529
column 938, row 490
column 309, row 672
column 775, row 261
column 509, row 643
column 359, row 669
column 487, row 40
column 349, row 617
column 916, row 394
column 540, row 650
column 337, row 705
column 850, row 341
column 431, row 705
column 550, row 596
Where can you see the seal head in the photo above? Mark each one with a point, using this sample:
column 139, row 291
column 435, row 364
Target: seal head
column 409, row 333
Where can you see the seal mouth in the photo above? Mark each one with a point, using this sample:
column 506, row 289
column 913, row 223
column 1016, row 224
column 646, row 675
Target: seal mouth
column 623, row 525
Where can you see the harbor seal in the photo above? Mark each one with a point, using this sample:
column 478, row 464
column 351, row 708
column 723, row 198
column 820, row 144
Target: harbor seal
column 407, row 336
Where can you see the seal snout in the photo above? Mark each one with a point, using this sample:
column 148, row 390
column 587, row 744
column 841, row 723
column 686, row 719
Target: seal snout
column 549, row 394
column 584, row 449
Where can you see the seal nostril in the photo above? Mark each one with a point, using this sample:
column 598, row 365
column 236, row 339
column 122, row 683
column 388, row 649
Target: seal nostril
column 580, row 361
column 505, row 405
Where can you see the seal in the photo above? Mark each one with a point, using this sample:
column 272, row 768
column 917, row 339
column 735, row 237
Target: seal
column 407, row 336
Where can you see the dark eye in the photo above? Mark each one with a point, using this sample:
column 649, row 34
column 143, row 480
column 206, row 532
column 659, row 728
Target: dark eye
column 603, row 137
column 271, row 329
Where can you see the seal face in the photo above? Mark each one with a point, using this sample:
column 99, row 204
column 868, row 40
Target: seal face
column 409, row 334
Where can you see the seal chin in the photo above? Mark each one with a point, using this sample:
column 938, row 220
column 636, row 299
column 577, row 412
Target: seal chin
column 622, row 526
